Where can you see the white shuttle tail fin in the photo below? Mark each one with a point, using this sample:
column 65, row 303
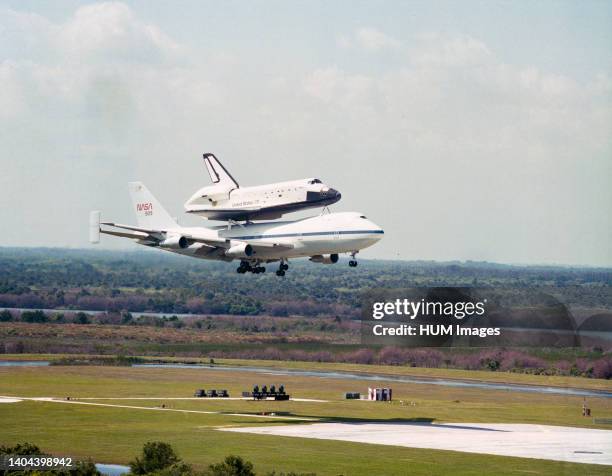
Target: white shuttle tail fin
column 218, row 173
column 149, row 212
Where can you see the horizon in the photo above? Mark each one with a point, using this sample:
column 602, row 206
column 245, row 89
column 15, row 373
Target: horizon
column 154, row 252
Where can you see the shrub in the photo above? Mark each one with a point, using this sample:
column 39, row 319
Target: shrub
column 156, row 455
column 582, row 367
column 81, row 318
column 392, row 356
column 231, row 466
column 6, row 316
column 602, row 368
column 177, row 469
column 81, row 468
column 361, row 356
column 33, row 316
column 21, row 449
column 512, row 360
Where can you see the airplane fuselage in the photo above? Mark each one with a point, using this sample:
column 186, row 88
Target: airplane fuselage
column 325, row 234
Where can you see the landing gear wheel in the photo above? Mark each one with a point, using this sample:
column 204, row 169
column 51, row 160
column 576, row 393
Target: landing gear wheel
column 282, row 267
column 244, row 267
column 353, row 261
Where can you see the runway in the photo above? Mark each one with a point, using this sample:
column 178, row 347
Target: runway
column 574, row 445
column 201, row 399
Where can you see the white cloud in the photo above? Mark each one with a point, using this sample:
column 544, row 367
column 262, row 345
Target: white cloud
column 368, row 39
column 110, row 29
column 322, row 84
column 343, row 41
column 477, row 158
column 446, row 51
column 373, row 40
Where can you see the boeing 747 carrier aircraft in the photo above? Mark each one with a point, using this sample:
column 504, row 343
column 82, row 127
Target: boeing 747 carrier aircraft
column 226, row 200
column 322, row 238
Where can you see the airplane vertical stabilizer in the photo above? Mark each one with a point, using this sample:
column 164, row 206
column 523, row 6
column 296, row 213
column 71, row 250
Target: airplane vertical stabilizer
column 149, row 212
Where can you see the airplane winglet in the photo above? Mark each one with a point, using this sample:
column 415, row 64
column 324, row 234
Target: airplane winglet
column 94, row 226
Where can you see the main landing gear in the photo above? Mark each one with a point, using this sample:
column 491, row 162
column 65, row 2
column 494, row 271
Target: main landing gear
column 282, row 268
column 245, row 267
column 353, row 261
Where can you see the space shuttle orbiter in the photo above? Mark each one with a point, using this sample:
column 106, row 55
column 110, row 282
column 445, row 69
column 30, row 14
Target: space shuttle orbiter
column 226, row 200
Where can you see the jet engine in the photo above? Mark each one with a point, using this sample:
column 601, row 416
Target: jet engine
column 174, row 242
column 325, row 259
column 240, row 250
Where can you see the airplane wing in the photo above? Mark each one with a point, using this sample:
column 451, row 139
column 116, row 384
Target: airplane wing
column 220, row 242
column 159, row 235
column 136, row 235
column 154, row 237
column 267, row 246
column 148, row 231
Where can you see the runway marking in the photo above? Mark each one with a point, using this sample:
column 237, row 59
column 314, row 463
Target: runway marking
column 77, row 402
column 9, row 400
column 203, row 399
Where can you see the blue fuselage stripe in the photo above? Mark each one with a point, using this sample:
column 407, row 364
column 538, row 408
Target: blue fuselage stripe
column 310, row 233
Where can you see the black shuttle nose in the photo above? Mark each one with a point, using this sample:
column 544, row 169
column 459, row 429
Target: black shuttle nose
column 326, row 197
column 332, row 195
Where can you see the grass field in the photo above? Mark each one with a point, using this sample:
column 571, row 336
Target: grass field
column 115, row 435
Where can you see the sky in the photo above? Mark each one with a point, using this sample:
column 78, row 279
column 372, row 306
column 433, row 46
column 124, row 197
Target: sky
column 467, row 130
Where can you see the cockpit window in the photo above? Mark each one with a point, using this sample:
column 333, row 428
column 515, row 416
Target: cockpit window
column 363, row 216
column 314, row 181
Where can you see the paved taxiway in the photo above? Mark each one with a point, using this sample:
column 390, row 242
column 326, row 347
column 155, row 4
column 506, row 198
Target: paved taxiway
column 575, row 445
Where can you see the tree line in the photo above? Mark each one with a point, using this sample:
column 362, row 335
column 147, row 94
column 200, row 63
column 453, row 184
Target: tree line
column 159, row 282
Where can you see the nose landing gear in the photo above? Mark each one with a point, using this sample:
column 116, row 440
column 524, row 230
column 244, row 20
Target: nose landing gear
column 353, row 261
